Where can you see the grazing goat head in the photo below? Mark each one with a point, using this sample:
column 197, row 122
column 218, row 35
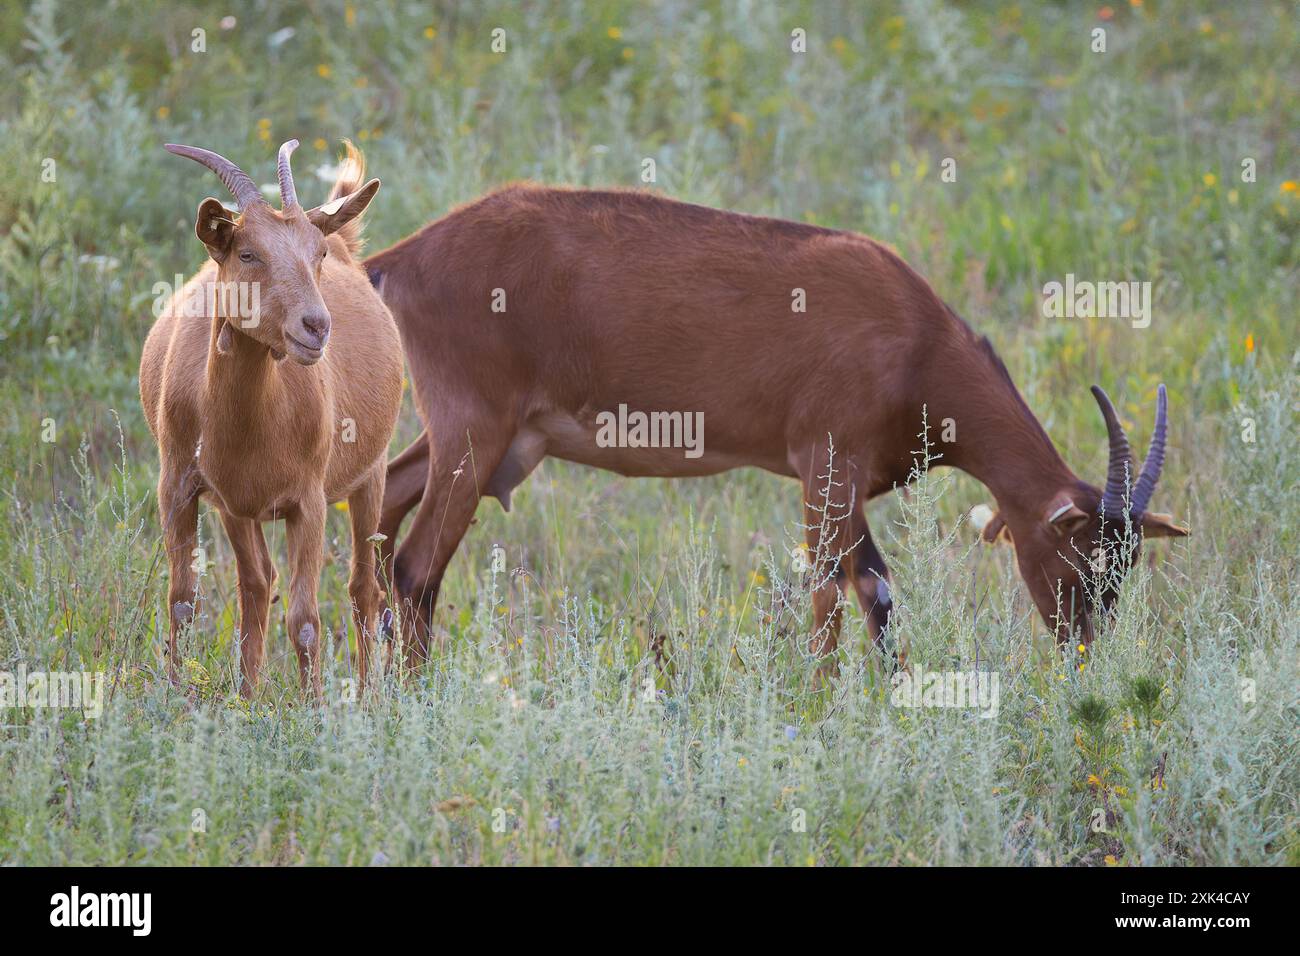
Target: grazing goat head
column 278, row 252
column 1087, row 539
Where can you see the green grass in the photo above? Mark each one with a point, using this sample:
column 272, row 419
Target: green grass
column 641, row 693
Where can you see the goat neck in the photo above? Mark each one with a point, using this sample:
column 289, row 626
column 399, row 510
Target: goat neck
column 999, row 441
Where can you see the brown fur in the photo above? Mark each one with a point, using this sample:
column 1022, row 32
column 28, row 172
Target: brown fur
column 351, row 174
column 264, row 438
column 627, row 297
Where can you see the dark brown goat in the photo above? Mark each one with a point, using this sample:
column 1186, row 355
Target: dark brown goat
column 529, row 314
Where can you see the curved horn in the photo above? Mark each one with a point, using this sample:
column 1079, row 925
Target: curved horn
column 241, row 187
column 1155, row 460
column 1121, row 458
column 288, row 195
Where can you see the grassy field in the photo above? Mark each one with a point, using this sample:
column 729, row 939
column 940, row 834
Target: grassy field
column 633, row 688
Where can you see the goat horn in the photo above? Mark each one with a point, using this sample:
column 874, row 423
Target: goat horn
column 241, row 187
column 1121, row 458
column 1155, row 460
column 288, row 195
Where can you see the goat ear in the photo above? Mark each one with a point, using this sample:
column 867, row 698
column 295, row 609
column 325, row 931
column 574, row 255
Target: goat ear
column 215, row 228
column 337, row 213
column 1064, row 516
column 996, row 530
column 1158, row 525
column 989, row 524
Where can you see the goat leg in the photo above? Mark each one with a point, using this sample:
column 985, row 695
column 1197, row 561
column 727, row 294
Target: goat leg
column 363, row 586
column 305, row 536
column 178, row 506
column 256, row 576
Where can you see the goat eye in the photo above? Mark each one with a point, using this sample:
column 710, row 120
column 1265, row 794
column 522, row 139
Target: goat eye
column 246, row 256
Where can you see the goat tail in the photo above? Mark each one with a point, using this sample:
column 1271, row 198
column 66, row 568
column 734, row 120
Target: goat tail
column 352, row 174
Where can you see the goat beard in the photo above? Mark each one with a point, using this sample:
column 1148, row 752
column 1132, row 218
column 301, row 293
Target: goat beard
column 224, row 339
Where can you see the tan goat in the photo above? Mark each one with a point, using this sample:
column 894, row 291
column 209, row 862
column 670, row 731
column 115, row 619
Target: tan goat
column 263, row 438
